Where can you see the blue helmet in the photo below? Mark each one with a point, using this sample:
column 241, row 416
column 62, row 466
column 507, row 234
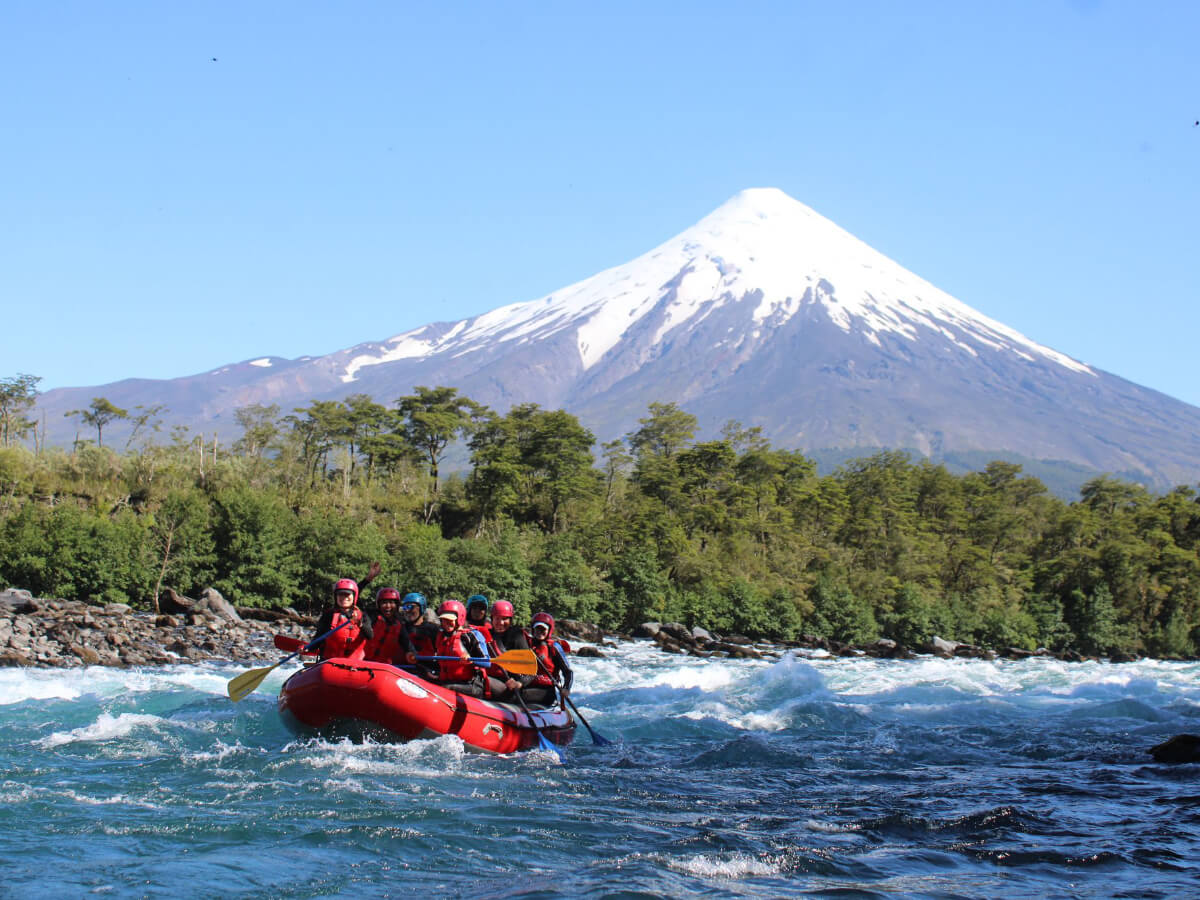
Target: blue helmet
column 477, row 600
column 412, row 598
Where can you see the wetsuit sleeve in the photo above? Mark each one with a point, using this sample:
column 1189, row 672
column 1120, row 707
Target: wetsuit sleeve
column 323, row 625
column 365, row 628
column 568, row 675
column 404, row 646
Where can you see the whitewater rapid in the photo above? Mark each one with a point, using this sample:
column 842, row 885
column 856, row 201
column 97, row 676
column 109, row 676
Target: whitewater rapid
column 727, row 778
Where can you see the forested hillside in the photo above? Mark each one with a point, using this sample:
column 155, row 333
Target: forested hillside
column 729, row 534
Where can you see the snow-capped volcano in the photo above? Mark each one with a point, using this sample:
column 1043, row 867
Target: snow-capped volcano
column 763, row 312
column 760, row 244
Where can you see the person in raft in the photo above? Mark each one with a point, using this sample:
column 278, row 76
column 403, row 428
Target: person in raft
column 477, row 616
column 422, row 635
column 552, row 663
column 352, row 639
column 504, row 638
column 455, row 639
column 390, row 643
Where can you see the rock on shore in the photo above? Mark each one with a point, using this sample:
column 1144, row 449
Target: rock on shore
column 65, row 633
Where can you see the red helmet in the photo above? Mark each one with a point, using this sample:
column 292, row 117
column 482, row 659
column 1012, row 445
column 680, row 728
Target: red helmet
column 500, row 609
column 388, row 594
column 346, row 584
column 448, row 608
column 543, row 619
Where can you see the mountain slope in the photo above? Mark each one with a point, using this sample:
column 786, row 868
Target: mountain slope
column 764, row 312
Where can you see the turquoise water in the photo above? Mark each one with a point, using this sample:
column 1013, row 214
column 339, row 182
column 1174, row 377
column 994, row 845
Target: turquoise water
column 728, row 778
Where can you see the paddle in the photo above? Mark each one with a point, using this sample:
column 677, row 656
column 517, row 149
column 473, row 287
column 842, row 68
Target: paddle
column 247, row 682
column 598, row 739
column 283, row 642
column 543, row 741
column 521, row 661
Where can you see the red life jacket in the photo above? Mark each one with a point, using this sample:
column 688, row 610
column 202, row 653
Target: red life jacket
column 348, row 641
column 546, row 665
column 423, row 643
column 453, row 671
column 385, row 643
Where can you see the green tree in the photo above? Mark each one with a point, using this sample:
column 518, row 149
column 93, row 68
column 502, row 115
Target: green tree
column 260, row 428
column 260, row 562
column 17, row 396
column 430, row 420
column 100, row 413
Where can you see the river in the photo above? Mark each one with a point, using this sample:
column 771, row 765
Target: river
column 727, row 778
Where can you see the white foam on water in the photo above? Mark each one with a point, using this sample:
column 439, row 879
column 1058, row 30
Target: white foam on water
column 18, row 685
column 13, row 792
column 732, row 866
column 707, row 678
column 115, row 800
column 439, row 756
column 105, row 728
column 220, row 751
column 763, row 695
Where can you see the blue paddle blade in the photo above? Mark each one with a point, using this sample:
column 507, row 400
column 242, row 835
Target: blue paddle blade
column 553, row 748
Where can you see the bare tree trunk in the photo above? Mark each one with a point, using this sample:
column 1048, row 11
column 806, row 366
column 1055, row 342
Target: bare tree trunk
column 163, row 571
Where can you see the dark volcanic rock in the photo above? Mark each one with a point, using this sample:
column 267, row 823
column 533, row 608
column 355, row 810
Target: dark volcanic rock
column 1183, row 748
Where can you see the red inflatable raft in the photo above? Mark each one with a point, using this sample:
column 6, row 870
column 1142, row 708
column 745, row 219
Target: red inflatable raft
column 377, row 698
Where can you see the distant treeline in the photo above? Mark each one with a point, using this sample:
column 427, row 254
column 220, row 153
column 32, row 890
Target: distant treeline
column 730, row 534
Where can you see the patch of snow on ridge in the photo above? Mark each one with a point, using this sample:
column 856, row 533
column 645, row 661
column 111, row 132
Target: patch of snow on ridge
column 407, row 346
column 264, row 363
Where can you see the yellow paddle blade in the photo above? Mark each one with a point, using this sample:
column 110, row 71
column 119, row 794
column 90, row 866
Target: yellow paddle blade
column 522, row 662
column 246, row 682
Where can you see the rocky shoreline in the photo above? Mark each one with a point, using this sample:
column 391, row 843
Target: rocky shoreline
column 65, row 633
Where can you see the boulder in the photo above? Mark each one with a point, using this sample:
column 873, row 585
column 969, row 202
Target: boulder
column 1183, row 748
column 588, row 652
column 173, row 603
column 212, row 602
column 942, row 648
column 87, row 655
column 583, row 631
column 1017, row 653
column 16, row 600
column 702, row 635
column 678, row 632
column 647, row 630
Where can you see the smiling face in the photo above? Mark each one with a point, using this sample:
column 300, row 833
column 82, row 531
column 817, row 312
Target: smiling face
column 411, row 612
column 501, row 624
column 343, row 600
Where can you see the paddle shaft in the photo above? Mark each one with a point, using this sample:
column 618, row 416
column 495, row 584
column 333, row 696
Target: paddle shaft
column 248, row 682
column 522, row 661
column 598, row 739
column 543, row 741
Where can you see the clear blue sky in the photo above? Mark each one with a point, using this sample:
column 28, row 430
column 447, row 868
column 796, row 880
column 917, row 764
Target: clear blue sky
column 343, row 172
